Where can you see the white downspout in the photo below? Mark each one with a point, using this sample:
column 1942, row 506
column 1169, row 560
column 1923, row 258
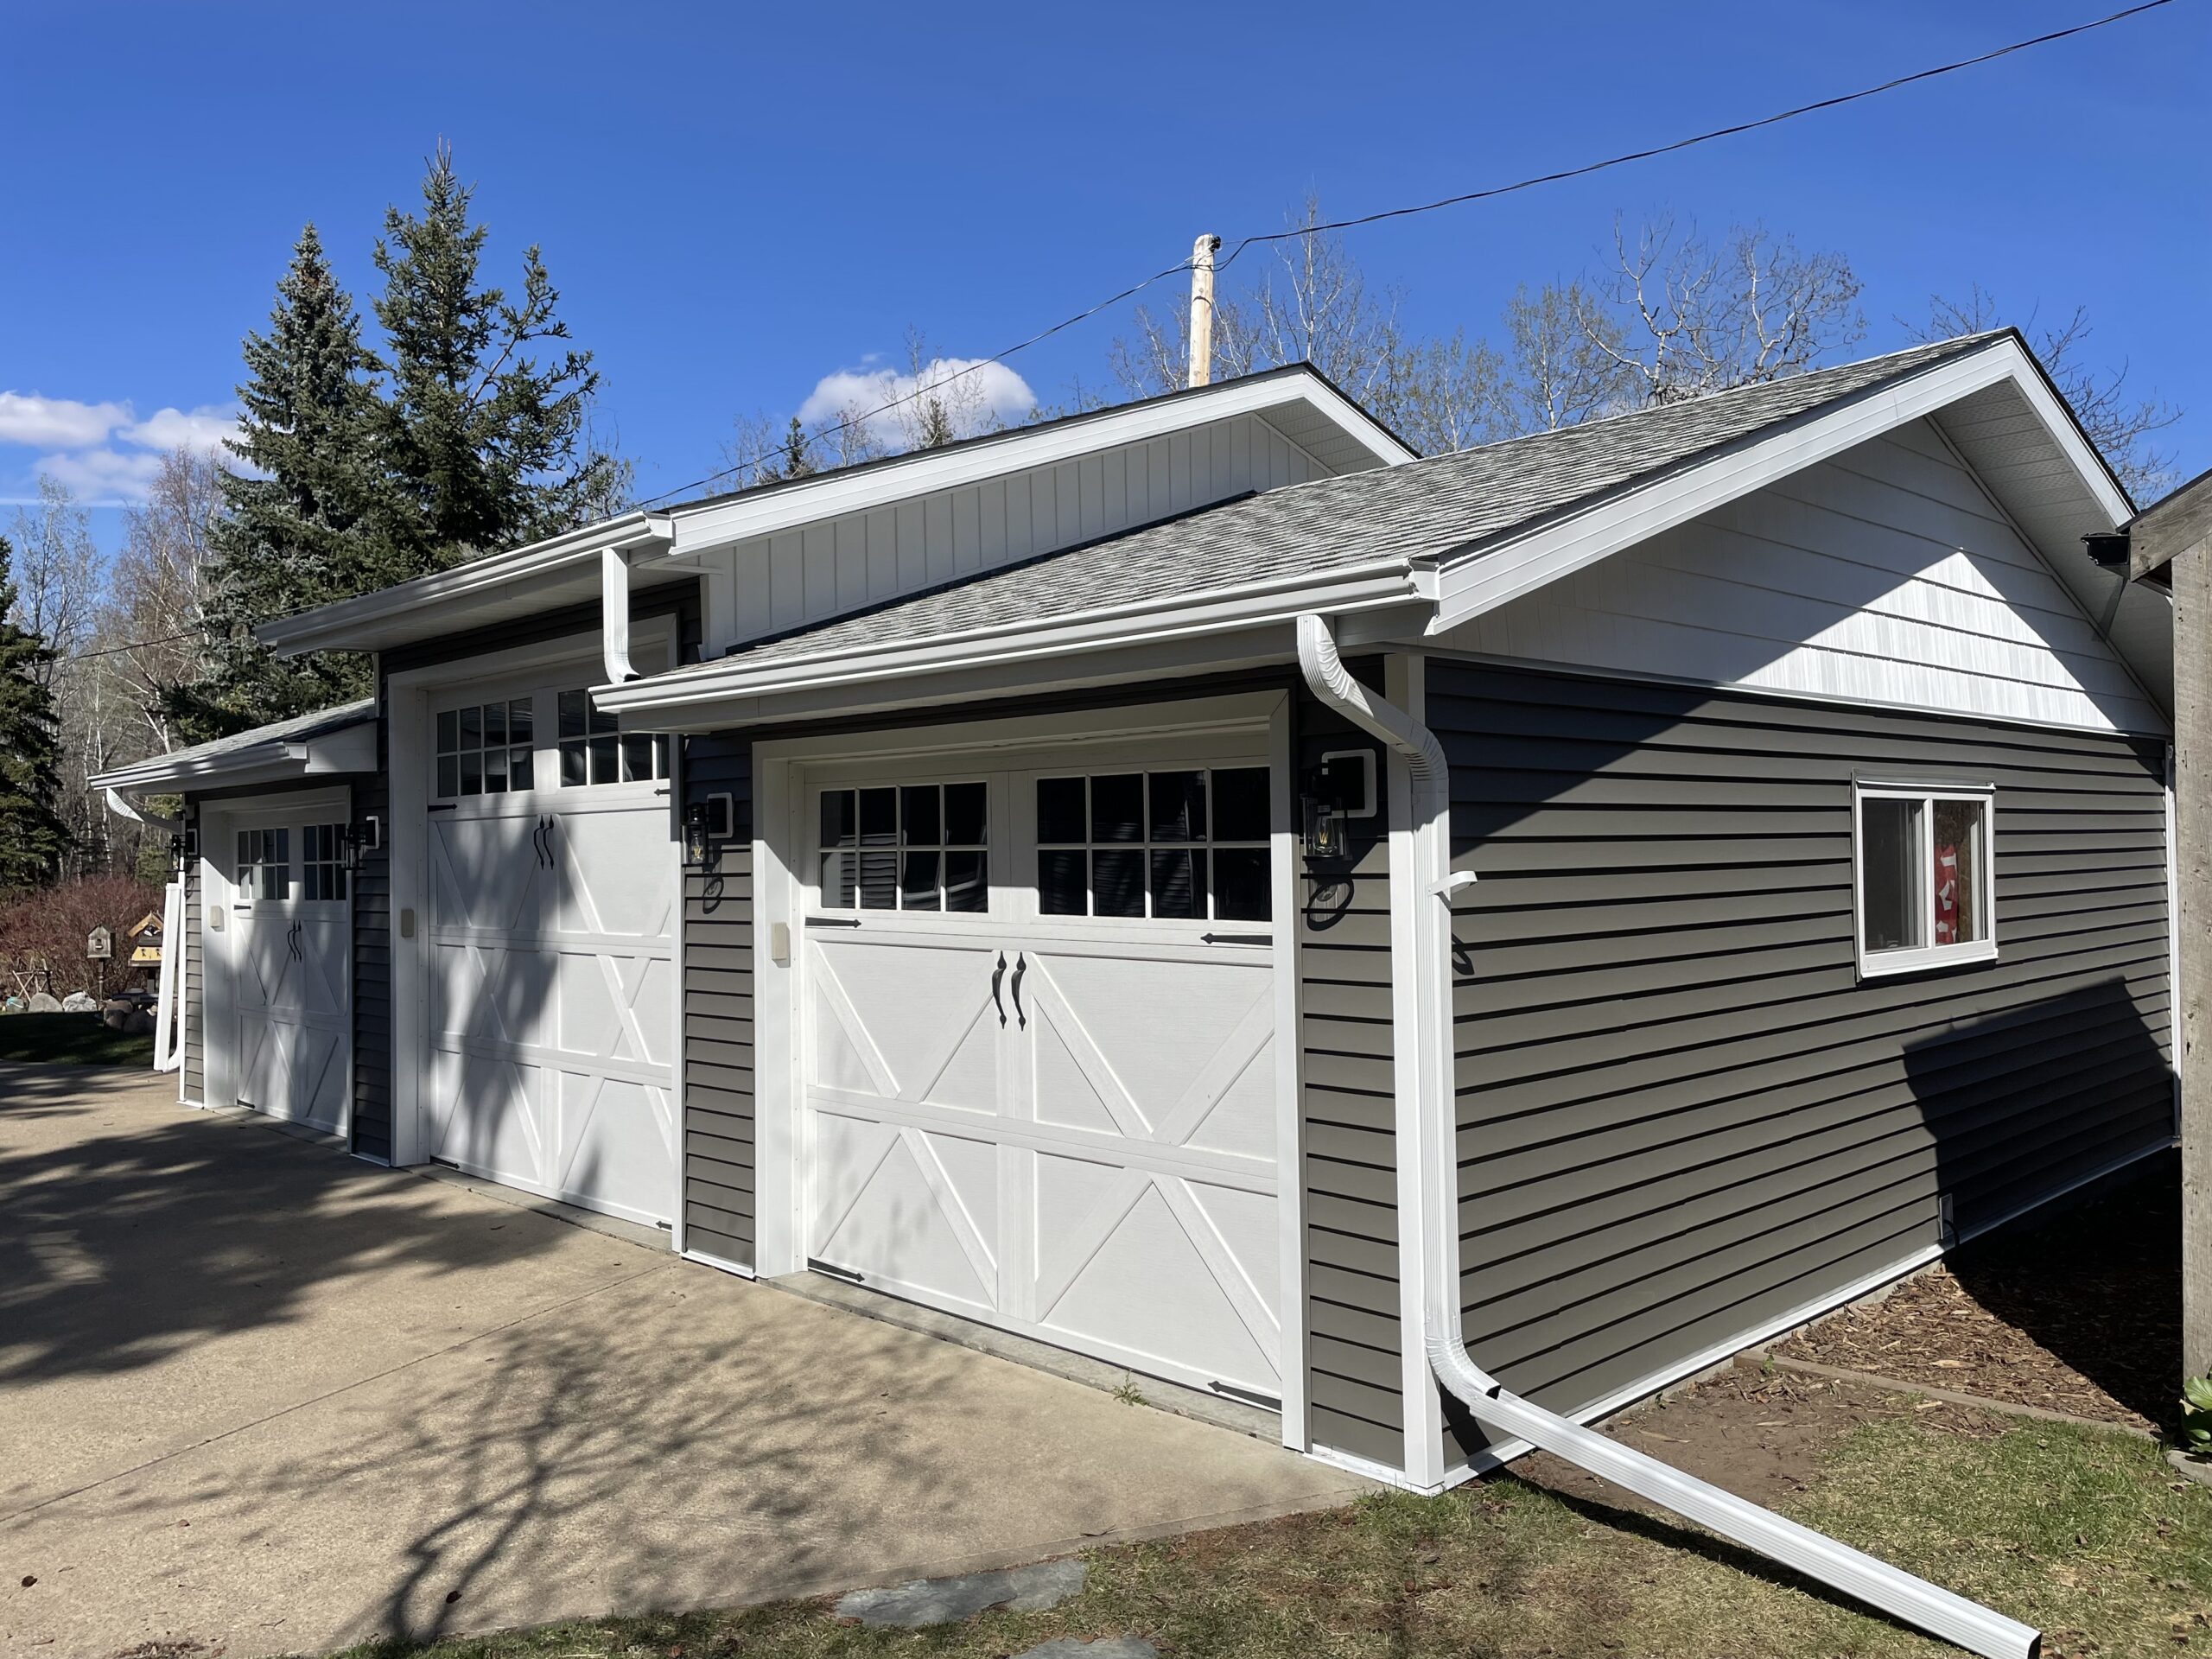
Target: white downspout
column 169, row 1026
column 1955, row 1618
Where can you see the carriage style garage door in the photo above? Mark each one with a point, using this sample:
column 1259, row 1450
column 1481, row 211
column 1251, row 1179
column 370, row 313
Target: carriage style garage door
column 1039, row 1053
column 551, row 977
column 285, row 948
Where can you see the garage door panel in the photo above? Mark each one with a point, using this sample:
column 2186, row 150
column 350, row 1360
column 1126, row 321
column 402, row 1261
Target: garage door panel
column 614, row 880
column 318, row 1077
column 1240, row 1118
column 909, row 1209
column 910, row 1021
column 485, row 1116
column 614, row 1007
column 1066, row 1096
column 618, row 1142
column 1146, row 1030
column 552, row 997
column 1089, row 1158
column 489, row 873
column 1149, row 1285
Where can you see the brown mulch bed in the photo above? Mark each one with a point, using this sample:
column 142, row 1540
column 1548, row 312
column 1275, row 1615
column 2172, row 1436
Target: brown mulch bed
column 2078, row 1312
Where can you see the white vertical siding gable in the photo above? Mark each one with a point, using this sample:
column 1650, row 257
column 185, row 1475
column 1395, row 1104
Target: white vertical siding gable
column 1886, row 575
column 799, row 576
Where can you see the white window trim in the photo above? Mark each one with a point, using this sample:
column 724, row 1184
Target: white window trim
column 1884, row 964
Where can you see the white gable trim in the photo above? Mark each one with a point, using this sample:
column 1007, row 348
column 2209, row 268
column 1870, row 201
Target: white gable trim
column 1498, row 575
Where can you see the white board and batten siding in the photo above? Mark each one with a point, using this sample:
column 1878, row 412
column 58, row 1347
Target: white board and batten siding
column 839, row 564
column 1886, row 575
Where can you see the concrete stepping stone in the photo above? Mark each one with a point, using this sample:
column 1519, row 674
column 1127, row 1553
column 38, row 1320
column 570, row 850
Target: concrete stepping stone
column 947, row 1601
column 1106, row 1647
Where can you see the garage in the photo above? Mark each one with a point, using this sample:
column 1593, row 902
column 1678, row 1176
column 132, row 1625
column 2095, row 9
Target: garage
column 279, row 935
column 1038, row 1049
column 551, row 963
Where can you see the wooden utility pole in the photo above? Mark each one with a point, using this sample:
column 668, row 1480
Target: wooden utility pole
column 2176, row 537
column 1202, row 253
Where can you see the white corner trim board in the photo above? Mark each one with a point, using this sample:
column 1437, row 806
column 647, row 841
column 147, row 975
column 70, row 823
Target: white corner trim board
column 1925, row 1606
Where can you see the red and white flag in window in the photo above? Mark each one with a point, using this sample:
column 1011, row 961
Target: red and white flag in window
column 1947, row 895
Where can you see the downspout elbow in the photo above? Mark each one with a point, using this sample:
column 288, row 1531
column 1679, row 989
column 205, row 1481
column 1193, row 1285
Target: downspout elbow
column 121, row 805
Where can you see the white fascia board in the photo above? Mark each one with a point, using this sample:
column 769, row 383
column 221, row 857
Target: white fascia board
column 1498, row 575
column 747, row 518
column 1389, row 583
column 365, row 622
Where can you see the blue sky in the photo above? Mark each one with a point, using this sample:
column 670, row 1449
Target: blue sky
column 739, row 201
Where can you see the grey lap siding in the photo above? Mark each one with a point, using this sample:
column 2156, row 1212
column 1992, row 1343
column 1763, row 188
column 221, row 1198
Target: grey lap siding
column 372, row 1119
column 1348, row 1105
column 1682, row 1115
column 717, row 1059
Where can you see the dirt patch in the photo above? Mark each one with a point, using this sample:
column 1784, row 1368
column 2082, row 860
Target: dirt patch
column 2078, row 1314
column 1763, row 1437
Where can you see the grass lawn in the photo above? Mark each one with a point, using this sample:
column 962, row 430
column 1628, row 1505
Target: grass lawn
column 2086, row 1533
column 70, row 1039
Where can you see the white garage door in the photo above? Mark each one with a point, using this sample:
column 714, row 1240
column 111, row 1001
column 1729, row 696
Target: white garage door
column 286, row 948
column 1039, row 1060
column 551, row 973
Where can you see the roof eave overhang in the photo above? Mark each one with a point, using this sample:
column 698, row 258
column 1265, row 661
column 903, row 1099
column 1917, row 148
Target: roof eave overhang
column 346, row 750
column 448, row 601
column 1041, row 655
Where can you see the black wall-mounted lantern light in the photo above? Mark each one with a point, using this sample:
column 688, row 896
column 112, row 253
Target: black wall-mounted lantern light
column 366, row 836
column 184, row 849
column 708, row 823
column 1330, row 796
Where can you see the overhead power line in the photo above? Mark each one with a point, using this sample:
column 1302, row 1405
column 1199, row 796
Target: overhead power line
column 1647, row 154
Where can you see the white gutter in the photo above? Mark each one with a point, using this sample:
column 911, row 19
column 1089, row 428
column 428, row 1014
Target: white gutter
column 1916, row 1601
column 1273, row 599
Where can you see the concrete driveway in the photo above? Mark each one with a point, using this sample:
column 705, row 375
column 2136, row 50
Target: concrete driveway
column 259, row 1396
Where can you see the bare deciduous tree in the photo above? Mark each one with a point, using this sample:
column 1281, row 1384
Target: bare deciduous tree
column 157, row 590
column 1566, row 354
column 1689, row 317
column 2121, row 424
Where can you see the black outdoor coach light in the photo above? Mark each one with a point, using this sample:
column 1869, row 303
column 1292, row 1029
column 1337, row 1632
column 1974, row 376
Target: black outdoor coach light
column 1329, row 795
column 708, row 824
column 366, row 836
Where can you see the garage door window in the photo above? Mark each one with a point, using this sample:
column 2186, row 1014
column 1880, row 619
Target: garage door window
column 1169, row 846
column 264, row 864
column 485, row 749
column 322, row 862
column 593, row 750
column 919, row 847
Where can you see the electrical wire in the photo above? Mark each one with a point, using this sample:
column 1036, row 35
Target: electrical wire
column 1486, row 195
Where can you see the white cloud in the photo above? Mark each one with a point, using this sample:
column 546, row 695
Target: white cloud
column 56, row 422
column 103, row 477
column 976, row 391
column 200, row 430
column 102, row 451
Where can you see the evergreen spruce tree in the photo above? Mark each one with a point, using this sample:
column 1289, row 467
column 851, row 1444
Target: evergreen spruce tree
column 32, row 838
column 799, row 456
column 304, row 528
column 483, row 443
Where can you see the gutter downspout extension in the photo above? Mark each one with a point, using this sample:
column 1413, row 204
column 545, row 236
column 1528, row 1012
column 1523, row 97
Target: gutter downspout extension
column 1916, row 1601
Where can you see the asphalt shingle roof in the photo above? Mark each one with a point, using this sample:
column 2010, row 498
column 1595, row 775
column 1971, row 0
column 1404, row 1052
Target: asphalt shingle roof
column 1448, row 503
